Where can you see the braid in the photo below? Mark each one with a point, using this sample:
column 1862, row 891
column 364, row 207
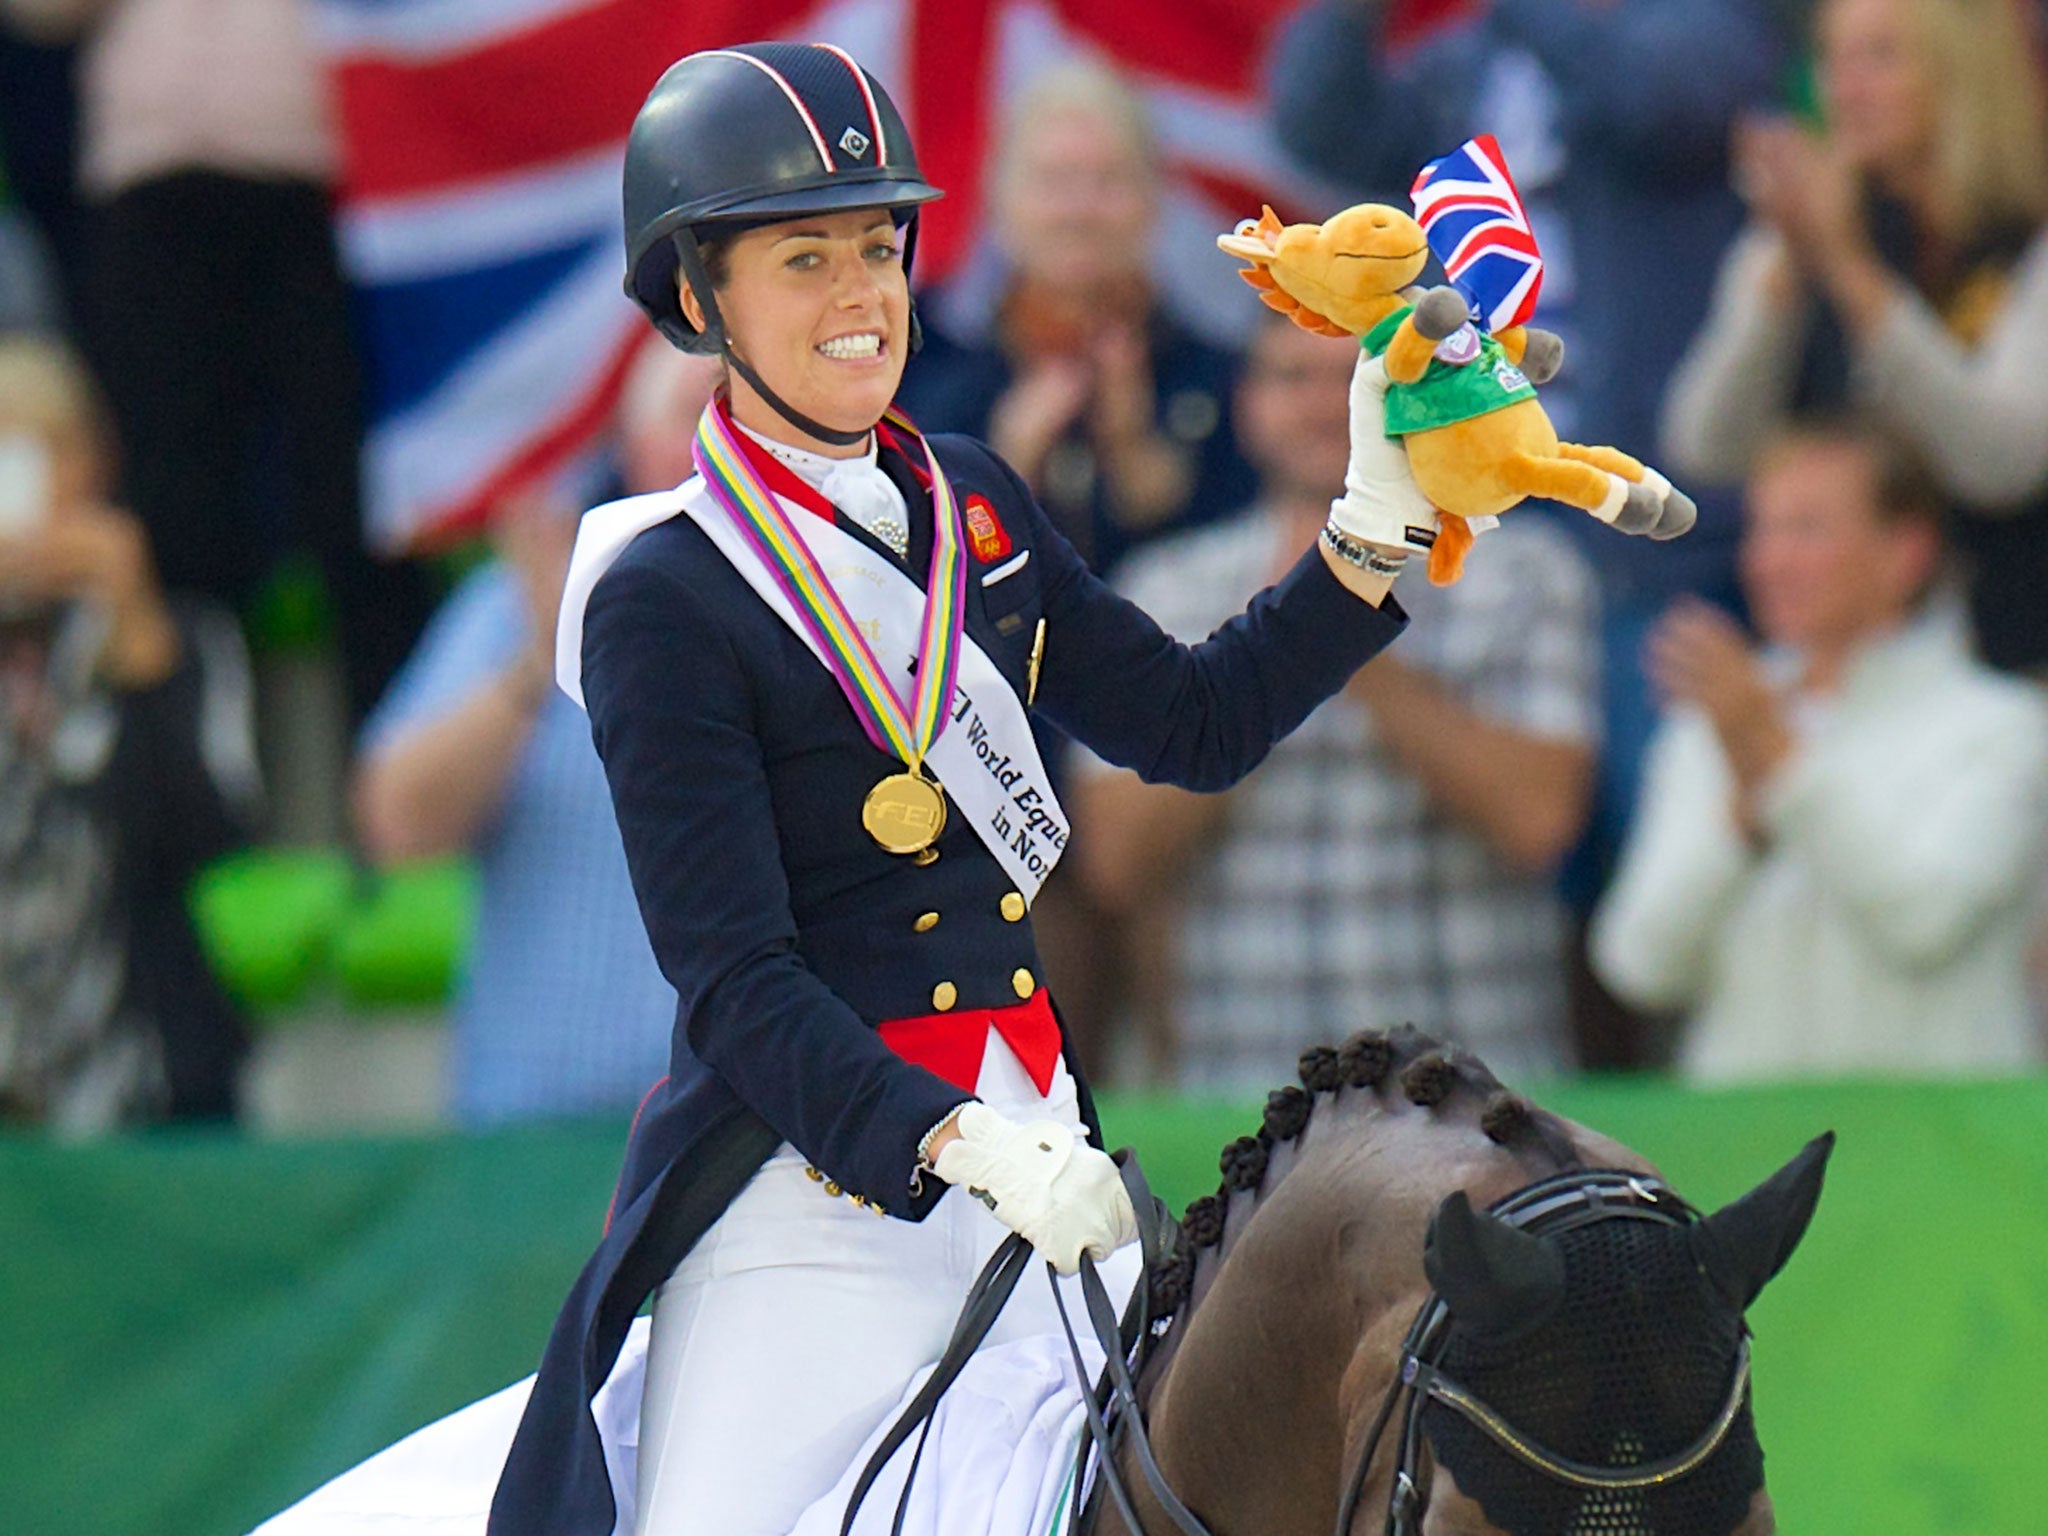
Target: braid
column 1429, row 1079
column 1430, row 1072
column 1366, row 1058
column 1171, row 1278
column 1203, row 1222
column 1321, row 1068
column 1244, row 1163
column 1507, row 1118
column 1287, row 1112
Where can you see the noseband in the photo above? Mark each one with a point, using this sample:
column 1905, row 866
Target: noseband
column 1552, row 1206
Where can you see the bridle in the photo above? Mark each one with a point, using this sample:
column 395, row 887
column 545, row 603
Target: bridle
column 1551, row 1206
column 1114, row 1418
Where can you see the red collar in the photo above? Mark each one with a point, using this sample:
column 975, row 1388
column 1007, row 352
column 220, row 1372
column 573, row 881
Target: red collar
column 776, row 475
column 788, row 484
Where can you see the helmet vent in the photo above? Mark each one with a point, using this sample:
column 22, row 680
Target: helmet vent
column 795, row 99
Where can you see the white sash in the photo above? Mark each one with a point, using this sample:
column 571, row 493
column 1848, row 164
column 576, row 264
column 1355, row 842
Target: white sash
column 985, row 757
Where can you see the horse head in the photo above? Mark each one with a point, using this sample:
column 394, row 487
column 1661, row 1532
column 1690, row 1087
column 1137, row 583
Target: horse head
column 1337, row 278
column 1423, row 1302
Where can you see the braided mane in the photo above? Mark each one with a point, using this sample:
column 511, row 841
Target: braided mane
column 1424, row 1070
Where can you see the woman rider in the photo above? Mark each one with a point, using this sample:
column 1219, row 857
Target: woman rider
column 783, row 659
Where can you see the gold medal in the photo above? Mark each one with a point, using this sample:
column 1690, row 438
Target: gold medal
column 904, row 813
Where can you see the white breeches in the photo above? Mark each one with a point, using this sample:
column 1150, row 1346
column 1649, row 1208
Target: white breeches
column 792, row 1327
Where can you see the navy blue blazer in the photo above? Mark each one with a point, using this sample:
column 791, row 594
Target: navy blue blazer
column 737, row 771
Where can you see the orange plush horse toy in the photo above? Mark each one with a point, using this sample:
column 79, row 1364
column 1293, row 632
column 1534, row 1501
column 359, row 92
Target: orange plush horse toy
column 1461, row 402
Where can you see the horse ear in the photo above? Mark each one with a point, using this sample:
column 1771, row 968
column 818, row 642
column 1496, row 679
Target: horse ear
column 1747, row 1241
column 1497, row 1280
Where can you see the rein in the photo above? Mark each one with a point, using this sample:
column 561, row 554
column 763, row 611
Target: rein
column 1553, row 1205
column 1112, row 1408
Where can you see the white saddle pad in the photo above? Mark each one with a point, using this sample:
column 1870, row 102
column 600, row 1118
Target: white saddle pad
column 999, row 1460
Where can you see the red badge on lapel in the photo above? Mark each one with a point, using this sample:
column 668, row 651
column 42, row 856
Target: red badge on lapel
column 986, row 535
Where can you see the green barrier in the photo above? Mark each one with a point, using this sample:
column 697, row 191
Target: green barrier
column 196, row 1330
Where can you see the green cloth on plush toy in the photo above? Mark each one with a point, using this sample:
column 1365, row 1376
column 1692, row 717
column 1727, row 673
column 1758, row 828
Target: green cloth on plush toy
column 1447, row 392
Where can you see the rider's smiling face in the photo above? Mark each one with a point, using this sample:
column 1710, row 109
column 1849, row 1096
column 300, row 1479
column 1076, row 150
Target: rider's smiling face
column 820, row 308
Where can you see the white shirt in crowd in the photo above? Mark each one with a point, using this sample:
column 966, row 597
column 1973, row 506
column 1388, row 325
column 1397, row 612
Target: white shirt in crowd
column 1883, row 924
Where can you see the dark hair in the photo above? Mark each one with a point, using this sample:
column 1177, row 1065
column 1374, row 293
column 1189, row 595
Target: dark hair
column 1902, row 487
column 716, row 249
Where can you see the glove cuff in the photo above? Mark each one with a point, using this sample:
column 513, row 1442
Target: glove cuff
column 1371, row 520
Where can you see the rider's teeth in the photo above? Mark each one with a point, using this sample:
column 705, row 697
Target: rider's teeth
column 851, row 346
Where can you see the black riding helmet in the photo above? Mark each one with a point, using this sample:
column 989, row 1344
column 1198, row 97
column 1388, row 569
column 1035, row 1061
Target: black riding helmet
column 735, row 137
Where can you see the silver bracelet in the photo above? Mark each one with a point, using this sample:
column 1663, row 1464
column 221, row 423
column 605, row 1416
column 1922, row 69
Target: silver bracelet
column 924, row 1163
column 1367, row 557
column 924, row 1142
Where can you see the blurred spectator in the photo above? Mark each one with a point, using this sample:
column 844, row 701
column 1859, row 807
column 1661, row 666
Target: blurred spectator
column 1057, row 351
column 1899, row 261
column 1614, row 116
column 1112, row 412
column 215, row 310
column 1391, row 860
column 561, row 1007
column 126, row 762
column 1840, row 836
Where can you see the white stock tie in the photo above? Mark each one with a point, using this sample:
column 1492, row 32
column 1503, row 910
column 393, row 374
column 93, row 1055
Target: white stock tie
column 856, row 487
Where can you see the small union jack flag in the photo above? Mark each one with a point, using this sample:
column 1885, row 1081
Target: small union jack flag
column 1474, row 220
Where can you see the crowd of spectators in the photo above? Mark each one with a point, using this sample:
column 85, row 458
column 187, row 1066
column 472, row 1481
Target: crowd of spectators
column 559, row 1006
column 1771, row 799
column 1394, row 856
column 1834, row 863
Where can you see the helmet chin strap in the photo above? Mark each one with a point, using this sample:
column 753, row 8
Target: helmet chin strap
column 782, row 407
column 691, row 261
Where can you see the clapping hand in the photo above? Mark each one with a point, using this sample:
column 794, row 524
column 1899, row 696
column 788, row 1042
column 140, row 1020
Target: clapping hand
column 99, row 554
column 1801, row 185
column 1035, row 412
column 1697, row 655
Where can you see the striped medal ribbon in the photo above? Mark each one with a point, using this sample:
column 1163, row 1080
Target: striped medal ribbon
column 906, row 811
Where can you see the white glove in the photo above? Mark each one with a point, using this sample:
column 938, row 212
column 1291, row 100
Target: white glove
column 1381, row 503
column 1060, row 1195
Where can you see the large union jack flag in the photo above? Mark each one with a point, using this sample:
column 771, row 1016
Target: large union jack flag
column 1474, row 220
column 479, row 212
